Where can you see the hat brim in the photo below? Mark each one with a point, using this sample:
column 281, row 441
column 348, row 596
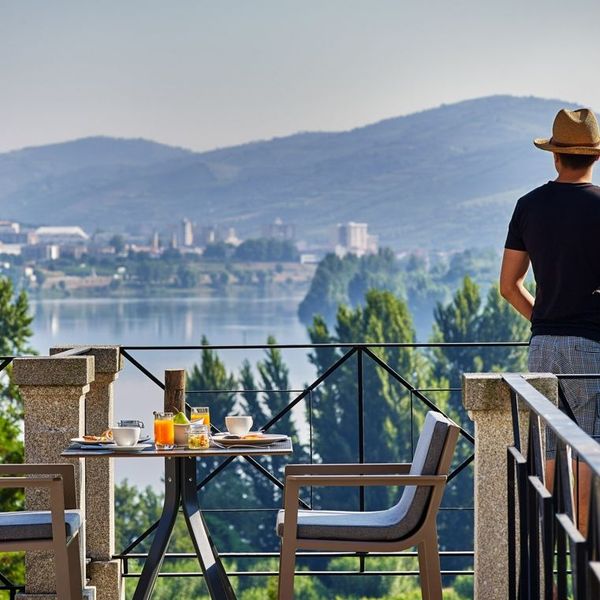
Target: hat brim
column 546, row 144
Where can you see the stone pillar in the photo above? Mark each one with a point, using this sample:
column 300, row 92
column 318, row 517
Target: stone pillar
column 487, row 399
column 103, row 572
column 53, row 392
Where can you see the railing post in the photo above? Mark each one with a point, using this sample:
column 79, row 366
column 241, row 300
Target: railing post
column 53, row 392
column 103, row 571
column 487, row 399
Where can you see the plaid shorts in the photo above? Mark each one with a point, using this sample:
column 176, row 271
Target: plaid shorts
column 569, row 354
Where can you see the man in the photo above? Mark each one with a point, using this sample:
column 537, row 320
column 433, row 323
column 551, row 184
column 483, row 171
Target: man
column 556, row 227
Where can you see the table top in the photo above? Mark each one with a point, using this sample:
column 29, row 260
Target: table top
column 278, row 448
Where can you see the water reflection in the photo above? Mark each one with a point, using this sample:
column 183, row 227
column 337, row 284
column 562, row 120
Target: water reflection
column 247, row 319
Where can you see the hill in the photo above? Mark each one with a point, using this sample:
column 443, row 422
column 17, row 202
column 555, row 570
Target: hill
column 445, row 178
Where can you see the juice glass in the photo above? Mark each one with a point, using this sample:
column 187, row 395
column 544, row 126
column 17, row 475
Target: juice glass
column 201, row 414
column 164, row 430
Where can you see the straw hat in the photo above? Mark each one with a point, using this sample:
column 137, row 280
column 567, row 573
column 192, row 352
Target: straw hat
column 573, row 132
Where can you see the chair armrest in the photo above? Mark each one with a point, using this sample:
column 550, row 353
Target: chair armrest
column 66, row 470
column 366, row 480
column 57, row 498
column 348, row 469
column 28, row 482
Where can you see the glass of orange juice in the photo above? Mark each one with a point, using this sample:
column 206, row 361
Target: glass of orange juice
column 202, row 414
column 164, row 430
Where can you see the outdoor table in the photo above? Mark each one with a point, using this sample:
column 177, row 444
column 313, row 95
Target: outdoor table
column 180, row 488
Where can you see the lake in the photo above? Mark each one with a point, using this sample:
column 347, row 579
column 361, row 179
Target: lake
column 234, row 319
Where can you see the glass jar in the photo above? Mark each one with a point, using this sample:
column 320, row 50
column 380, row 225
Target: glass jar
column 198, row 438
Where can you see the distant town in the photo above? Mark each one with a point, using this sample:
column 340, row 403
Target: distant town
column 59, row 261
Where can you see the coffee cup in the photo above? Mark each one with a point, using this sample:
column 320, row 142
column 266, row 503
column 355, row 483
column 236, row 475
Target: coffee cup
column 126, row 436
column 238, row 425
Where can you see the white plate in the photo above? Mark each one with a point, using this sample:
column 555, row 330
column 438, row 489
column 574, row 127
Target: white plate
column 226, row 439
column 136, row 448
column 84, row 442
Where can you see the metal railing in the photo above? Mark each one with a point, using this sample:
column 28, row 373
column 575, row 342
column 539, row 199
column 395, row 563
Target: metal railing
column 364, row 354
column 549, row 556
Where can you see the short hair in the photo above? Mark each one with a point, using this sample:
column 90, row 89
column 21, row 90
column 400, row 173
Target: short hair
column 577, row 162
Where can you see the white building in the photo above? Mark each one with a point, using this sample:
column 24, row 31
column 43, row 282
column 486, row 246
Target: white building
column 354, row 238
column 9, row 227
column 187, row 233
column 62, row 236
column 278, row 230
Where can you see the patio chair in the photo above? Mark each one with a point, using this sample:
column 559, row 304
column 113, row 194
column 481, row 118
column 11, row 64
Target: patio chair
column 56, row 529
column 411, row 522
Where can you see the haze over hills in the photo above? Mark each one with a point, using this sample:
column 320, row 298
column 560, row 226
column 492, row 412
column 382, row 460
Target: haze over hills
column 445, row 178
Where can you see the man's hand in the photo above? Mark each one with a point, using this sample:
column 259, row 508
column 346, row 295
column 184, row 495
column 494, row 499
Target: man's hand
column 512, row 276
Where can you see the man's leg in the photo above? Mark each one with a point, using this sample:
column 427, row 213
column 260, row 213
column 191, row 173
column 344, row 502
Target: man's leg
column 583, row 486
column 583, row 481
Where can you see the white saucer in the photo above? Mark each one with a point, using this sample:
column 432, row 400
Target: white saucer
column 136, row 448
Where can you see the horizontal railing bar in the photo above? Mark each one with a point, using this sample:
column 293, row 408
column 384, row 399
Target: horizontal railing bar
column 577, row 375
column 333, row 345
column 244, row 391
column 277, row 509
column 306, row 573
column 250, row 555
column 224, row 391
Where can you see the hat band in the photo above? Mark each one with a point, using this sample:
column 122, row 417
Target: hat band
column 561, row 145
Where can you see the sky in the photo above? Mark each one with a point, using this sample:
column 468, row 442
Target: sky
column 206, row 74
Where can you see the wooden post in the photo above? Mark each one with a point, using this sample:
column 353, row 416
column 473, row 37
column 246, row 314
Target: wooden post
column 174, row 390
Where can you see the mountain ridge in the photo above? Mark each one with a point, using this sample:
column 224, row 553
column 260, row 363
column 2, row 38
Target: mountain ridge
column 441, row 178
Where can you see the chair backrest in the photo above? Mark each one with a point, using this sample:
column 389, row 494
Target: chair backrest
column 433, row 456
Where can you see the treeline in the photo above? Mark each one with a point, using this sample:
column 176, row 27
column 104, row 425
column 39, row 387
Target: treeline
column 254, row 250
column 423, row 281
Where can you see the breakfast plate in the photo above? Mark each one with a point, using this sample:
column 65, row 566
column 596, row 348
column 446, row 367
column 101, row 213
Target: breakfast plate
column 250, row 439
column 109, row 443
column 87, row 442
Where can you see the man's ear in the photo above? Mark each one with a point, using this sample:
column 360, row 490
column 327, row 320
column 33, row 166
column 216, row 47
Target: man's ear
column 556, row 160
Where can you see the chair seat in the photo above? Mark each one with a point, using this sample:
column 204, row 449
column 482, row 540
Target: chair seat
column 35, row 525
column 372, row 526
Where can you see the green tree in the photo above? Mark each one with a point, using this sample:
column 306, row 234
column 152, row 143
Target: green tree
column 458, row 321
column 117, row 242
column 328, row 288
column 266, row 250
column 15, row 333
column 465, row 320
column 500, row 322
column 218, row 251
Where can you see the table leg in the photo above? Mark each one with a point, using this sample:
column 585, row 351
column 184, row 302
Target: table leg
column 216, row 579
column 163, row 531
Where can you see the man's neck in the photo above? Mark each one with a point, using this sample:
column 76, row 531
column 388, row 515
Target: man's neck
column 571, row 176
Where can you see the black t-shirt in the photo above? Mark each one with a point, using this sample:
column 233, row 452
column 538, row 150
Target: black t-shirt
column 558, row 225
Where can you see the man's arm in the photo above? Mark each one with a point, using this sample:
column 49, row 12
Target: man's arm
column 512, row 276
